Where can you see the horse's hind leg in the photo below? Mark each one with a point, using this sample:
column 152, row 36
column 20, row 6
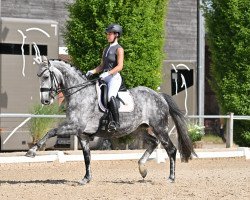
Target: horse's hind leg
column 153, row 143
column 171, row 151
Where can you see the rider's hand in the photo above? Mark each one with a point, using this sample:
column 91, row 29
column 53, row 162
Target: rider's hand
column 90, row 73
column 104, row 75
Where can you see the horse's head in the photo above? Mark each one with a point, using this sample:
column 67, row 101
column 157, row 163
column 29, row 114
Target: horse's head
column 50, row 80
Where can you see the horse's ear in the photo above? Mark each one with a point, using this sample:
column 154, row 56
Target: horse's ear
column 37, row 60
column 40, row 60
column 44, row 59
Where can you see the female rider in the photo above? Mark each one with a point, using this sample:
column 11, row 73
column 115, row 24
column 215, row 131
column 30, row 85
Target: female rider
column 111, row 65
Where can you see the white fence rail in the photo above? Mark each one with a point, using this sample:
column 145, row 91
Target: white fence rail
column 229, row 132
column 19, row 115
column 230, row 124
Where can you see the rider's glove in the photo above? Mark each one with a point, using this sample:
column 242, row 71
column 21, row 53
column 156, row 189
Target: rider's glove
column 90, row 73
column 104, row 75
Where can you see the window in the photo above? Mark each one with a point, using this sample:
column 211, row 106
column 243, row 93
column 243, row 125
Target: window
column 43, row 49
column 177, row 82
column 15, row 49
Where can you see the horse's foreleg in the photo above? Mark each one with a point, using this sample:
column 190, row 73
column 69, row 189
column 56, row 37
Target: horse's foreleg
column 66, row 128
column 40, row 143
column 153, row 143
column 86, row 153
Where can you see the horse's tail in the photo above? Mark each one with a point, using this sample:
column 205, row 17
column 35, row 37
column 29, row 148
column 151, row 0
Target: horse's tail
column 185, row 145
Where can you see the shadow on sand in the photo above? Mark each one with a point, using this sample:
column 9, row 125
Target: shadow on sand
column 52, row 182
column 130, row 182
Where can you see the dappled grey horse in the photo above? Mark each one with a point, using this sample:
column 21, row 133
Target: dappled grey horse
column 151, row 109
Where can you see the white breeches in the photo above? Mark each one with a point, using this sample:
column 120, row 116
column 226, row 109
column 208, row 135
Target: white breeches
column 114, row 83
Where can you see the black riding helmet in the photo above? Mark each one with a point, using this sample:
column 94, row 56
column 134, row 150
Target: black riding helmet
column 115, row 28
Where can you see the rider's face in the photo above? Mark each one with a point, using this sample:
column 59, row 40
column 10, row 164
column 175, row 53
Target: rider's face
column 110, row 37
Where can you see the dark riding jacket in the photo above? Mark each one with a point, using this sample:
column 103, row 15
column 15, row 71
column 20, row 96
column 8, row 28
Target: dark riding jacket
column 110, row 57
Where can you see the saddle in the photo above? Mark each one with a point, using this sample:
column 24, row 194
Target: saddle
column 124, row 102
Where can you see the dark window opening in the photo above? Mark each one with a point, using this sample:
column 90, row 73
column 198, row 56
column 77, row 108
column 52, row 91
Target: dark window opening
column 15, row 49
column 43, row 49
column 177, row 81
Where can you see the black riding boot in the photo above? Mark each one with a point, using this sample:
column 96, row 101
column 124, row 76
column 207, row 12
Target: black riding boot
column 113, row 125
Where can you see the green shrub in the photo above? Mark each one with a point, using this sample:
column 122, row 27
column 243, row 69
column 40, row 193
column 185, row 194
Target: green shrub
column 212, row 138
column 246, row 137
column 241, row 132
column 228, row 31
column 143, row 23
column 38, row 127
column 195, row 132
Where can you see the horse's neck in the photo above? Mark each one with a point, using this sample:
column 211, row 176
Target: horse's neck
column 71, row 75
column 73, row 81
column 81, row 102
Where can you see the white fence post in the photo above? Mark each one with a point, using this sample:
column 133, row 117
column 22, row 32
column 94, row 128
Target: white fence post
column 230, row 126
column 159, row 155
column 73, row 142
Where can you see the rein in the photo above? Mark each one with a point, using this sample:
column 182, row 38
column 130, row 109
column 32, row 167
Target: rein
column 82, row 86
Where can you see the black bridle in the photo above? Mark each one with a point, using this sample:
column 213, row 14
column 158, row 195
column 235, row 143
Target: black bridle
column 57, row 89
column 53, row 79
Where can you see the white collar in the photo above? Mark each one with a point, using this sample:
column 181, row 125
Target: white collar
column 113, row 44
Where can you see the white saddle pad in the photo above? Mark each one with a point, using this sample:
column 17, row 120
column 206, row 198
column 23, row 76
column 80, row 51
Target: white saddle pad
column 125, row 96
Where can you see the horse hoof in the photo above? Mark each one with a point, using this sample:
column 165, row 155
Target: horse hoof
column 30, row 154
column 171, row 180
column 143, row 170
column 84, row 181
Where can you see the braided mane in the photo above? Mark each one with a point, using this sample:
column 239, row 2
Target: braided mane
column 70, row 67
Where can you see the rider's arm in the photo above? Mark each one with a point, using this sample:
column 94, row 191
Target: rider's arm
column 120, row 59
column 98, row 68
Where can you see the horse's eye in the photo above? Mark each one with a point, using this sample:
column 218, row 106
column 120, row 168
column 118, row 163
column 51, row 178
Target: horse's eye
column 45, row 77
